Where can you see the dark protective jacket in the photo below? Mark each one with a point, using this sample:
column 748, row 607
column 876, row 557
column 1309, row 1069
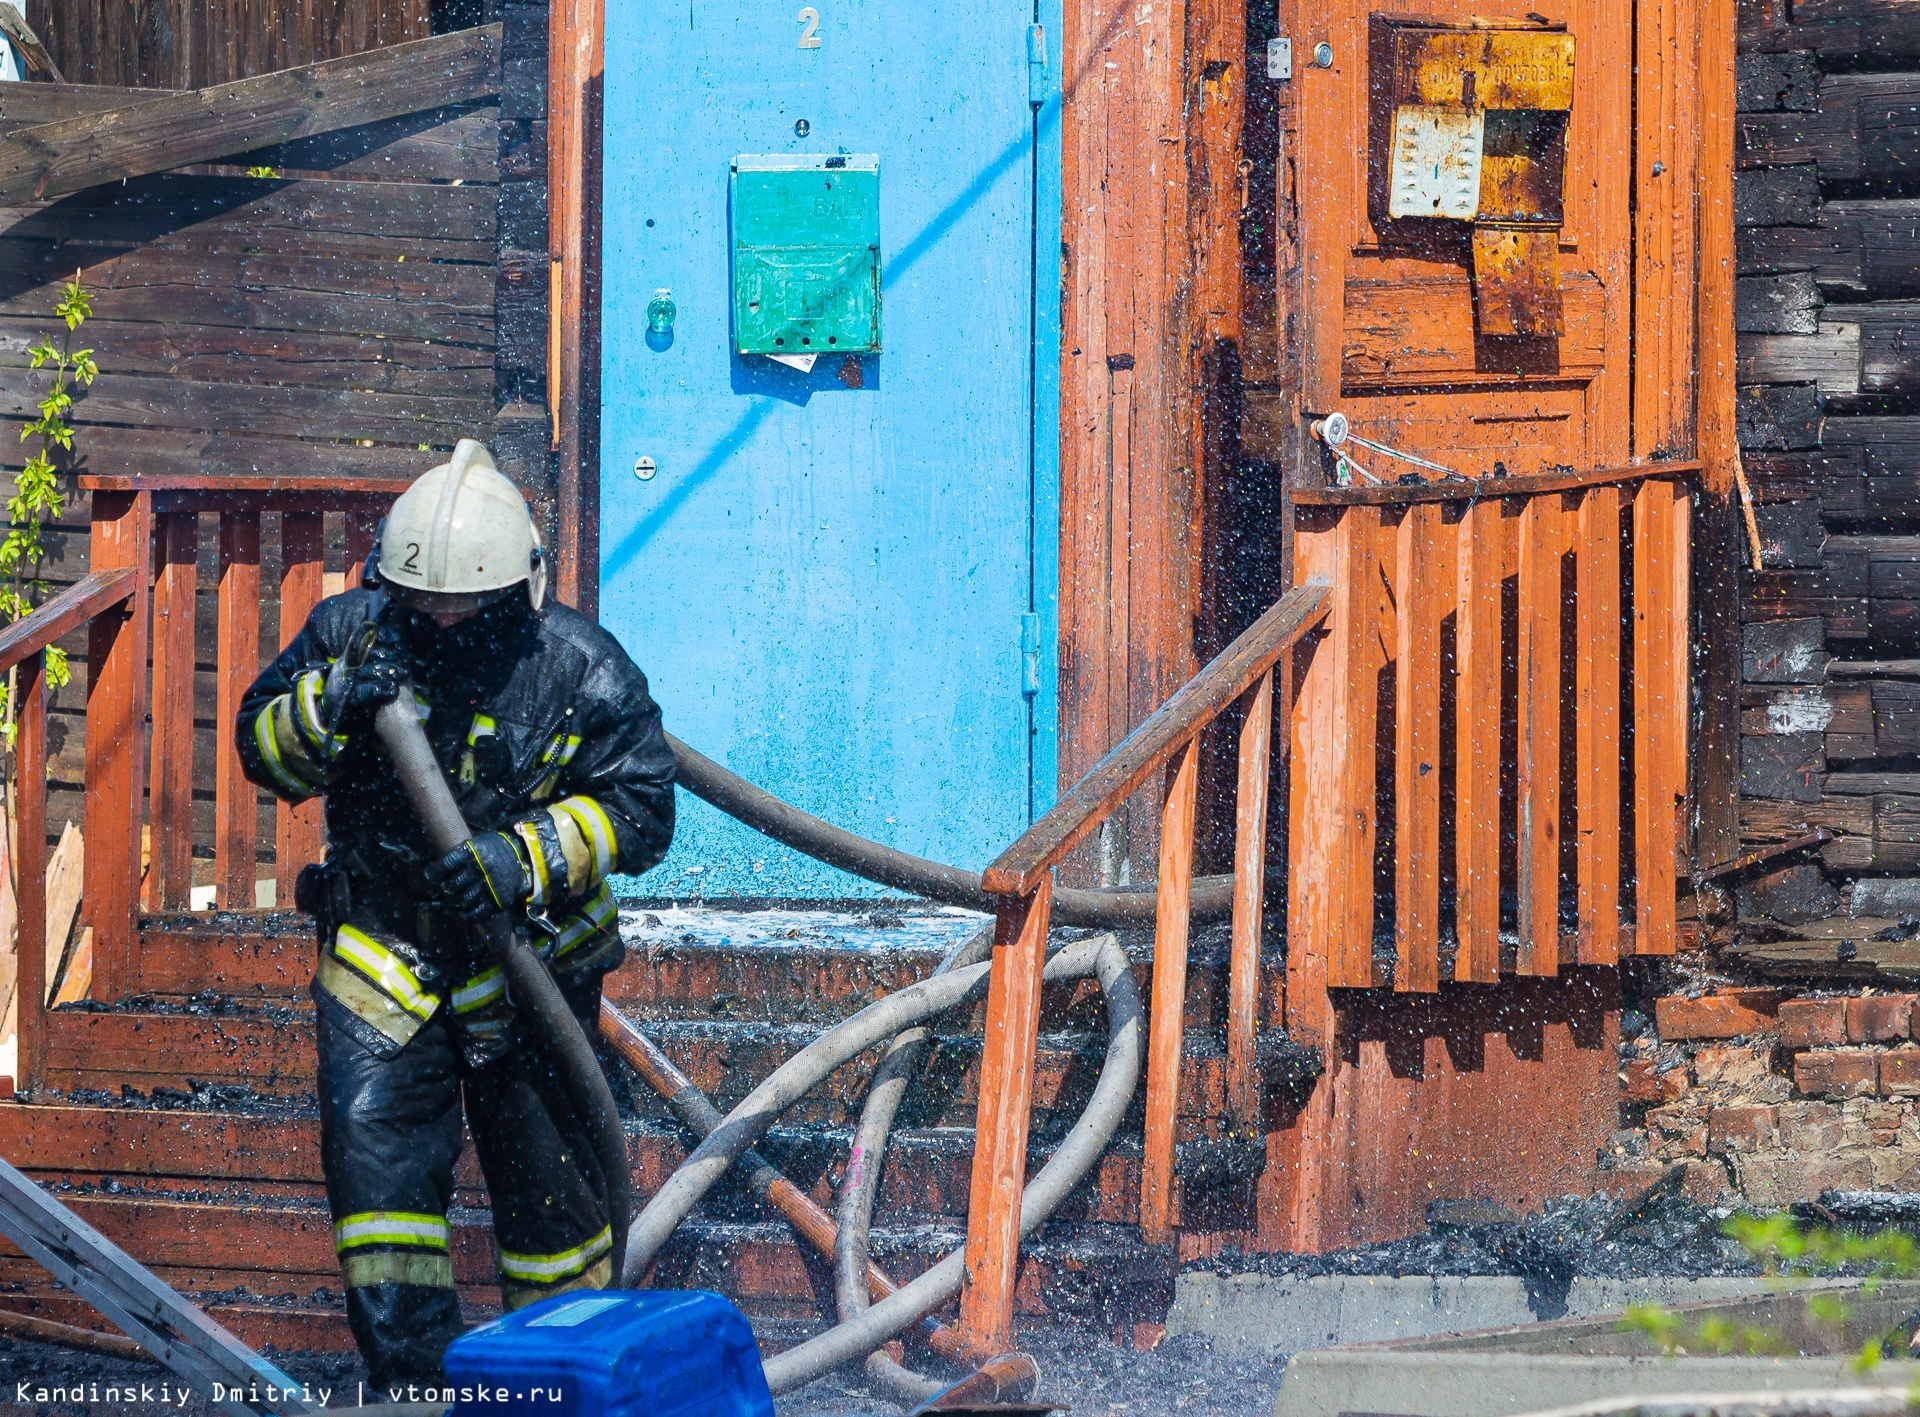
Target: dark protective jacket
column 546, row 731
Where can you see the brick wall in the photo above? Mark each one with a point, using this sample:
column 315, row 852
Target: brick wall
column 1769, row 1096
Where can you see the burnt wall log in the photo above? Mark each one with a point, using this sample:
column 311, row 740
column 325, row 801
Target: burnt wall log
column 344, row 305
column 1827, row 312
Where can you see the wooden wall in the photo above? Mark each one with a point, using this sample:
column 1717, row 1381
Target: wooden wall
column 382, row 297
column 184, row 44
column 1828, row 313
column 1154, row 106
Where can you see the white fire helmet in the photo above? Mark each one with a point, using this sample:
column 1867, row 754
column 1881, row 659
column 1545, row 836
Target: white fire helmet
column 461, row 534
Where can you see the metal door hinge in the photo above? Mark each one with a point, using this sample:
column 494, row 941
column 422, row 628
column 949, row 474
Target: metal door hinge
column 1280, row 59
column 1036, row 64
column 1030, row 655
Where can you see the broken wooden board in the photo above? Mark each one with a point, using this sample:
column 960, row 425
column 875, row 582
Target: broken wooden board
column 1844, row 948
column 65, row 873
column 209, row 124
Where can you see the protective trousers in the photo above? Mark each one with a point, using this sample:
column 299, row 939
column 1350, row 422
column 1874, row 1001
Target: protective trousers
column 390, row 1129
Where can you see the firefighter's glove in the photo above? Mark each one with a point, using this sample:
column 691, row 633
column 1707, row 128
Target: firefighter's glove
column 356, row 691
column 481, row 876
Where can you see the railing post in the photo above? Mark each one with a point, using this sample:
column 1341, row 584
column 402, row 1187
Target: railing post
column 1422, row 571
column 1476, row 710
column 361, row 524
column 1538, row 771
column 1166, row 1024
column 1002, row 1120
column 1597, row 720
column 1660, row 537
column 116, row 742
column 30, row 865
column 1249, row 891
column 1353, row 745
column 237, row 661
column 170, row 876
column 298, row 831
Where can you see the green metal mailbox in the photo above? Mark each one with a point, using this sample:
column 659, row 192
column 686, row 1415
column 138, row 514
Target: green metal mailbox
column 806, row 255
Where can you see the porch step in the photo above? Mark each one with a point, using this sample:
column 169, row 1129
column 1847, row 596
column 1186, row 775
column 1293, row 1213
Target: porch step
column 281, row 1256
column 94, row 1053
column 742, row 966
column 241, row 1158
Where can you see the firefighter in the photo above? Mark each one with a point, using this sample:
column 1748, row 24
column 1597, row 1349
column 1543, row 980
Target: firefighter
column 557, row 759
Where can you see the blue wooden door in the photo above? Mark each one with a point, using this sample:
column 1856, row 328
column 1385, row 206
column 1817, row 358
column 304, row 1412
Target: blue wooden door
column 840, row 580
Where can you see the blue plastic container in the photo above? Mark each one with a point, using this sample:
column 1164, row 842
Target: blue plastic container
column 612, row 1353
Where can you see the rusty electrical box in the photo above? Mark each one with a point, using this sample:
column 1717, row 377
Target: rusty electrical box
column 1469, row 125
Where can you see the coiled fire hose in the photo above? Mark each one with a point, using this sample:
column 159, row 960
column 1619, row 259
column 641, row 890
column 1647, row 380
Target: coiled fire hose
column 878, row 1022
column 397, row 725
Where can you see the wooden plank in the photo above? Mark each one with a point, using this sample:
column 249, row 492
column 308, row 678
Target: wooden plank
column 575, row 64
column 1654, row 709
column 1477, row 713
column 170, row 880
column 1356, row 655
column 1154, row 742
column 260, row 493
column 1249, row 899
column 235, row 798
column 64, row 613
column 1716, row 834
column 1664, row 117
column 1475, row 489
column 116, row 740
column 299, row 832
column 65, row 877
column 29, row 104
column 409, row 419
column 202, row 126
column 1597, row 723
column 1538, row 778
column 30, row 810
column 76, row 982
column 1422, row 586
column 360, row 529
column 1167, row 1021
column 27, row 46
column 1000, row 1128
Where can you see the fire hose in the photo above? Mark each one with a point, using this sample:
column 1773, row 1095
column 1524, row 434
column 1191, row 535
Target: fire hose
column 896, row 1019
column 397, row 725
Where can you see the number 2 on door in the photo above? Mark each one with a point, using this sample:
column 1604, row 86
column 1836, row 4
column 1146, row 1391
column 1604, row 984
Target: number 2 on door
column 810, row 35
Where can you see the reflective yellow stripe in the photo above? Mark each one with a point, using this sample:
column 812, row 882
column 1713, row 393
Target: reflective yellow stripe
column 482, row 727
column 561, row 750
column 392, row 1227
column 529, row 835
column 596, row 827
column 386, row 969
column 566, row 1264
column 268, row 742
column 306, row 697
column 479, row 991
column 592, row 917
column 423, row 1269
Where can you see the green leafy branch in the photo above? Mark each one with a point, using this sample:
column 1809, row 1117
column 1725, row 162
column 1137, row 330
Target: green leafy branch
column 36, row 494
column 1786, row 1250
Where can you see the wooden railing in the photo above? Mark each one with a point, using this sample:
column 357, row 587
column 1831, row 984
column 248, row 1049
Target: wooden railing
column 1530, row 635
column 1484, row 642
column 1023, row 879
column 137, row 603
